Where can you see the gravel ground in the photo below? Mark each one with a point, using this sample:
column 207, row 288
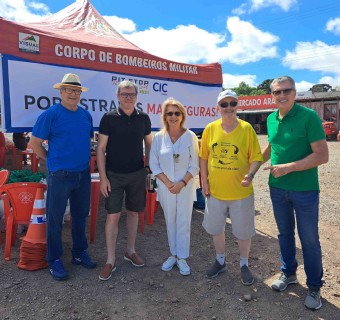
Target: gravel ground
column 149, row 293
column 329, row 179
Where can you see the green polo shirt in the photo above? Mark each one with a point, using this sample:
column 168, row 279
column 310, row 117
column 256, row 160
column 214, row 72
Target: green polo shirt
column 290, row 139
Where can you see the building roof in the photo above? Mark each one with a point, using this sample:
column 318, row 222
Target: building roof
column 313, row 96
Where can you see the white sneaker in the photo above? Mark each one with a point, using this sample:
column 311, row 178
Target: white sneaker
column 169, row 263
column 183, row 267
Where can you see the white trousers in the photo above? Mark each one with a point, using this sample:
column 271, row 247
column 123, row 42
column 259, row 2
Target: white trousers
column 178, row 212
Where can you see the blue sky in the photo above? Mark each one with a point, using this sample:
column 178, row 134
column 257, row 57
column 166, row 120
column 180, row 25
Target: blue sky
column 254, row 40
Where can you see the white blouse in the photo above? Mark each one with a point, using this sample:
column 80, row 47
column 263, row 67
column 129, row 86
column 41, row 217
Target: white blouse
column 174, row 159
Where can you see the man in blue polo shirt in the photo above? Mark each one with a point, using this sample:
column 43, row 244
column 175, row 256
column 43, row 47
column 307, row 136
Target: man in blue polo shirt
column 297, row 146
column 68, row 129
column 120, row 161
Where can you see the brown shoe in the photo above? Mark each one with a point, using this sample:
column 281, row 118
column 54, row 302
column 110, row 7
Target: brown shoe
column 106, row 272
column 135, row 259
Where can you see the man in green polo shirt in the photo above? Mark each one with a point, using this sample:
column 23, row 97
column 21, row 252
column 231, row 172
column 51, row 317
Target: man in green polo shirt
column 297, row 146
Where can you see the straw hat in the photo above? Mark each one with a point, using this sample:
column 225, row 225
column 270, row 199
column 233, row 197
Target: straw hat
column 70, row 79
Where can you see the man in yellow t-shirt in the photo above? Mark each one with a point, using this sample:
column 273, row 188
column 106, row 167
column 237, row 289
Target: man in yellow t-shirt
column 230, row 156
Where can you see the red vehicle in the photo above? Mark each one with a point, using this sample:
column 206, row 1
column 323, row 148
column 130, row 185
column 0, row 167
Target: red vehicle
column 330, row 130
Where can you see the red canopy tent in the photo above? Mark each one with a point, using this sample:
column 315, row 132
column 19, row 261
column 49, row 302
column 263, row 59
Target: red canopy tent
column 78, row 39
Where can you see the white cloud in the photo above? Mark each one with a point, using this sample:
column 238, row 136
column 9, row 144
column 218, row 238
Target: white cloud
column 303, row 86
column 285, row 5
column 38, row 6
column 23, row 11
column 242, row 9
column 185, row 43
column 256, row 5
column 333, row 25
column 188, row 44
column 121, row 25
column 314, row 56
column 232, row 81
column 191, row 44
column 332, row 81
column 247, row 44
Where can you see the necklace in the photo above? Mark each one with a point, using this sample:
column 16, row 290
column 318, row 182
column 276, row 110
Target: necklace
column 176, row 157
column 175, row 146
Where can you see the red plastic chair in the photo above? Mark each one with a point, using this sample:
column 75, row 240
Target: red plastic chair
column 18, row 204
column 2, row 156
column 2, row 149
column 33, row 157
column 4, row 175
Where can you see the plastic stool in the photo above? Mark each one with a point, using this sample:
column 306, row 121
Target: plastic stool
column 93, row 163
column 151, row 206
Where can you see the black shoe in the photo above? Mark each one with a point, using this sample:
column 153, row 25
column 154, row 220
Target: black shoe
column 246, row 276
column 216, row 269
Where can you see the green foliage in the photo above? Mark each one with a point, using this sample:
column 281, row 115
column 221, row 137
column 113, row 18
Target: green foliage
column 244, row 89
column 265, row 86
column 25, row 176
column 321, row 87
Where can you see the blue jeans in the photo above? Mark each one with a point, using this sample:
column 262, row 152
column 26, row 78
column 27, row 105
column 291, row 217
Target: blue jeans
column 61, row 186
column 305, row 205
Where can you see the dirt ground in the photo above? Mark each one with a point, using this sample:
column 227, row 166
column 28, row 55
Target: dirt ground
column 149, row 293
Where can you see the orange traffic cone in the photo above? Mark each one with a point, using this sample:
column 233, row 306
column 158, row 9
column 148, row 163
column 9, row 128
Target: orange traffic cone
column 33, row 245
column 36, row 232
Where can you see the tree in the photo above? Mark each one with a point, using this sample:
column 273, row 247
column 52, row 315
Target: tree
column 321, row 87
column 265, row 86
column 244, row 89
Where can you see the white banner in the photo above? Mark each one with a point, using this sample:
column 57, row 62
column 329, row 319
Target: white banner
column 28, row 91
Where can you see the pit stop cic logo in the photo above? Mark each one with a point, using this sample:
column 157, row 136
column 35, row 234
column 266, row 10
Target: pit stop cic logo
column 143, row 85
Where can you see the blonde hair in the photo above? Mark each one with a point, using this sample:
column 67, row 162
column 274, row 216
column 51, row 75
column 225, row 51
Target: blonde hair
column 172, row 102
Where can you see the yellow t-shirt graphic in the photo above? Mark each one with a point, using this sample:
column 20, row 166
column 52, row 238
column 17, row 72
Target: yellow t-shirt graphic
column 229, row 156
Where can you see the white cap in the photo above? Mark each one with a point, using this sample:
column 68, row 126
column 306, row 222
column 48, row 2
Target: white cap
column 225, row 94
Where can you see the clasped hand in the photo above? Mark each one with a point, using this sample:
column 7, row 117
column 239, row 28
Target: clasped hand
column 175, row 188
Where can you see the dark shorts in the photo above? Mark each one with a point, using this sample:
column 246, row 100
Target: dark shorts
column 132, row 186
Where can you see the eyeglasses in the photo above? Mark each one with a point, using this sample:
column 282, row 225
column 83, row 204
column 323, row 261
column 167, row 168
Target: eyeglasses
column 128, row 95
column 75, row 91
column 285, row 92
column 176, row 113
column 232, row 104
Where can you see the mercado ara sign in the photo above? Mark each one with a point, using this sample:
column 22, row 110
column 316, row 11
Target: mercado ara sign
column 256, row 102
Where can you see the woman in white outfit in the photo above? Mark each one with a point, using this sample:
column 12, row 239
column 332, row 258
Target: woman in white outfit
column 174, row 162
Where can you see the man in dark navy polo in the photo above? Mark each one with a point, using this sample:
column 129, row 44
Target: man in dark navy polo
column 120, row 160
